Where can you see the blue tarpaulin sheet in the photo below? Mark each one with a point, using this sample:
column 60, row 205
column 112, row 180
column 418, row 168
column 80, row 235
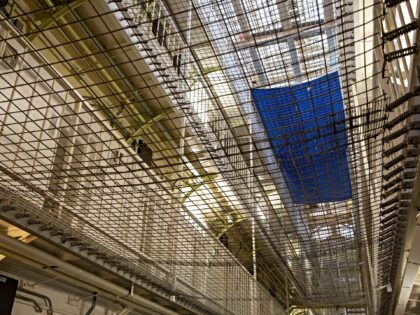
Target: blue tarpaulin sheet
column 307, row 130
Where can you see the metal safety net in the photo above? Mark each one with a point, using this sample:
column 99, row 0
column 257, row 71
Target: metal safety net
column 226, row 155
column 306, row 126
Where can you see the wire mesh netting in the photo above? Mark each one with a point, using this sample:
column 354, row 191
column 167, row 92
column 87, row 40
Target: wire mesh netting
column 129, row 129
column 307, row 129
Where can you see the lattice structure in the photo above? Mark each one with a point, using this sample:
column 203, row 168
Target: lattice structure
column 129, row 131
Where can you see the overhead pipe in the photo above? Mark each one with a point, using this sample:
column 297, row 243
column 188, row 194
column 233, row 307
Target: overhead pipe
column 46, row 299
column 63, row 270
column 35, row 305
column 92, row 306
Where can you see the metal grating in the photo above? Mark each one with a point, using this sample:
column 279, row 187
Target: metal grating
column 128, row 129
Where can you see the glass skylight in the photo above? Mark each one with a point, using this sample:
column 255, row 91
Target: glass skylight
column 263, row 15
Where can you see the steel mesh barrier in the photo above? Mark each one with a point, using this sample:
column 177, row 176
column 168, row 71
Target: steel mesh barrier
column 128, row 130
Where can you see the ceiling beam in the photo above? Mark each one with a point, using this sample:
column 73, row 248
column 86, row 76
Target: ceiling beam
column 281, row 35
column 285, row 20
column 55, row 16
column 253, row 50
column 149, row 123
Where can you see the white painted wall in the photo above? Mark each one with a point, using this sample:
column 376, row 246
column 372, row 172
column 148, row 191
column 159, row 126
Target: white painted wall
column 65, row 299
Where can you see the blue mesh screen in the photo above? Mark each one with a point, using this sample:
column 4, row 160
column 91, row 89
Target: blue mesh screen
column 306, row 127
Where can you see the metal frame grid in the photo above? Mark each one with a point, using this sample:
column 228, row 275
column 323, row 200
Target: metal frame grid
column 88, row 86
column 400, row 154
